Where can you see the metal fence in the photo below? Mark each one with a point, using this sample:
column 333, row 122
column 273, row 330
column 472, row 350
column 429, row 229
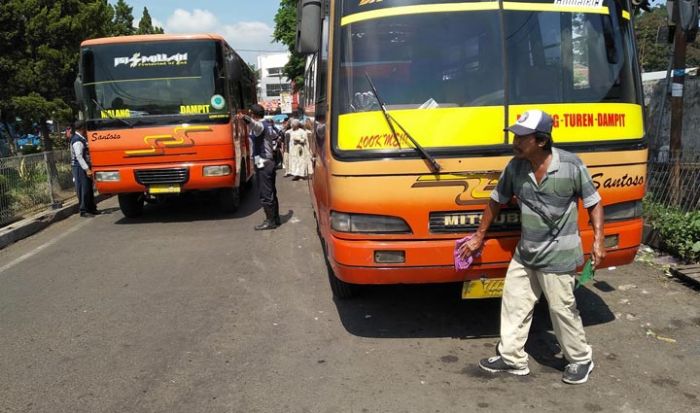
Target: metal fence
column 30, row 183
column 674, row 179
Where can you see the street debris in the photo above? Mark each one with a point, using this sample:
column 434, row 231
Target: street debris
column 651, row 333
column 625, row 287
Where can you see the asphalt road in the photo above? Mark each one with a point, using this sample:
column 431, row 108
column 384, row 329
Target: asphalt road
column 189, row 310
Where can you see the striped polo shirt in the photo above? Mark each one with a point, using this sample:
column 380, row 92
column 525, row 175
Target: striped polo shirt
column 550, row 239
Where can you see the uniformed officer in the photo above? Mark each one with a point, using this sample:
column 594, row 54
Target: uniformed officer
column 265, row 137
column 82, row 170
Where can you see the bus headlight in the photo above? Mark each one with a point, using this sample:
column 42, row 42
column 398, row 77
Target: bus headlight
column 107, row 176
column 373, row 224
column 623, row 211
column 217, row 170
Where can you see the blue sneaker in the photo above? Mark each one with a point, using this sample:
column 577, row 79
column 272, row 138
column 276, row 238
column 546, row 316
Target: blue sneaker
column 577, row 373
column 496, row 364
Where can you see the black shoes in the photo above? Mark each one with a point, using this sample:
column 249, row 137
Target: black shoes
column 272, row 219
column 87, row 214
column 577, row 373
column 267, row 224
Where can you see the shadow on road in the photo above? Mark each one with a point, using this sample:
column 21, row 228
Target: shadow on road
column 194, row 206
column 420, row 311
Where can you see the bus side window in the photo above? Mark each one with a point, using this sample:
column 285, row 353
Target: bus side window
column 321, row 63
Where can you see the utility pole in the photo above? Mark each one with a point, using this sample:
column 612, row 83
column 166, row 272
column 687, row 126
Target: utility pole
column 676, row 142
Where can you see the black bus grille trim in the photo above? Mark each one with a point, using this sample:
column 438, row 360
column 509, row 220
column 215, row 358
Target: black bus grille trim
column 162, row 176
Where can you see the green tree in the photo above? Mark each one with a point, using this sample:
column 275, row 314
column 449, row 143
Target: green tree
column 146, row 24
column 655, row 56
column 39, row 67
column 285, row 33
column 123, row 19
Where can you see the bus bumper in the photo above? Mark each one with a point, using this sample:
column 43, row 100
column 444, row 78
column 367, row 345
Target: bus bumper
column 195, row 181
column 432, row 261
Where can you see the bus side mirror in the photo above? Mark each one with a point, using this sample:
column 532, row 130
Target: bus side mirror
column 688, row 16
column 308, row 26
column 78, row 88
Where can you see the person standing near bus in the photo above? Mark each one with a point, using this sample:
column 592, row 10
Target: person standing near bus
column 298, row 151
column 265, row 136
column 547, row 183
column 82, row 170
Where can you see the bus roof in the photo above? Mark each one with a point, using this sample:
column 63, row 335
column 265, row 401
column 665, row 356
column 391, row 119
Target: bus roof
column 151, row 38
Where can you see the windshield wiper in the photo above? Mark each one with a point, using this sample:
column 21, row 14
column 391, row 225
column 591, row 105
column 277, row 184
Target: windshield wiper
column 390, row 120
column 106, row 112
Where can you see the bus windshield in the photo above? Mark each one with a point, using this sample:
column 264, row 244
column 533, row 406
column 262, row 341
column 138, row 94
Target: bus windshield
column 150, row 80
column 468, row 59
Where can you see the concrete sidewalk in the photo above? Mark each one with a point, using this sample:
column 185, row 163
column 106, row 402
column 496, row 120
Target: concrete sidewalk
column 30, row 226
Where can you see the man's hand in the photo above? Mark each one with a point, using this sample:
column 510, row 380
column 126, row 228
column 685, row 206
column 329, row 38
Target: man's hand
column 470, row 247
column 88, row 172
column 598, row 252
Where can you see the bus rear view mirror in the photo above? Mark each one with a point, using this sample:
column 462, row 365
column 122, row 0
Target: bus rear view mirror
column 78, row 87
column 688, row 19
column 309, row 25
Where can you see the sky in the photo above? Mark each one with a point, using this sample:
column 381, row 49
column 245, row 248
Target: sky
column 247, row 25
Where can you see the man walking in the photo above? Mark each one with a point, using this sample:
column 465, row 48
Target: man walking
column 265, row 136
column 547, row 183
column 82, row 170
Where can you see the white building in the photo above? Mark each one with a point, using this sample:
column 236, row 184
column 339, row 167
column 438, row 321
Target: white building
column 272, row 83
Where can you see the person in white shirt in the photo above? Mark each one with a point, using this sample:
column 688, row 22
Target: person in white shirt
column 82, row 170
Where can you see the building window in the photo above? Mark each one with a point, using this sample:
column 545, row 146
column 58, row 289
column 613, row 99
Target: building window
column 274, row 89
column 274, row 71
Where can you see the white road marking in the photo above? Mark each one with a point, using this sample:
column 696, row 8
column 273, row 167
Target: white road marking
column 42, row 247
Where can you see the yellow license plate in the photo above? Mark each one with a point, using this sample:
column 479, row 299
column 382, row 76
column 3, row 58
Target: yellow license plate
column 487, row 288
column 164, row 189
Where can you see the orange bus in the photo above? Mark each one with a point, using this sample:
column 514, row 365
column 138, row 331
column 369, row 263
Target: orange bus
column 410, row 101
column 159, row 112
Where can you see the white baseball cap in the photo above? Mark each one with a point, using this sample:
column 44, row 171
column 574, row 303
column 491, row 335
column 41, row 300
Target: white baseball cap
column 533, row 120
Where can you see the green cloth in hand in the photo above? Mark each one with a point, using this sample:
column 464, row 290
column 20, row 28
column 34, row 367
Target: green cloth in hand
column 587, row 274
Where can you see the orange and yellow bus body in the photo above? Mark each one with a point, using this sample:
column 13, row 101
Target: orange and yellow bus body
column 159, row 111
column 453, row 75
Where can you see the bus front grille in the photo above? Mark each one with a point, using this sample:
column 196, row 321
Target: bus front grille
column 162, row 176
column 468, row 221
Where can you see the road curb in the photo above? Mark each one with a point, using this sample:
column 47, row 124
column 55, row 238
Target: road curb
column 30, row 226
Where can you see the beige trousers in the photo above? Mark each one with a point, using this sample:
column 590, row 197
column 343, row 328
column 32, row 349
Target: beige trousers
column 521, row 291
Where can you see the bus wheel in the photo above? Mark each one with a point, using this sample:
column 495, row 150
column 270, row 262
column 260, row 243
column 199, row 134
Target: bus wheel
column 131, row 204
column 229, row 199
column 340, row 289
column 246, row 183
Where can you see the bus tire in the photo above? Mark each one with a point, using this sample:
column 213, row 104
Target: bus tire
column 229, row 199
column 246, row 182
column 340, row 289
column 131, row 204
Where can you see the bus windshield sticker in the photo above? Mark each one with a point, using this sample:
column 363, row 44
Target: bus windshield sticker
column 115, row 113
column 579, row 3
column 194, row 109
column 218, row 102
column 159, row 59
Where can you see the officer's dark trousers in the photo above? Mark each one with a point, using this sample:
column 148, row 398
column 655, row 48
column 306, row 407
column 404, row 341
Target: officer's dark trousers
column 266, row 177
column 83, row 189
